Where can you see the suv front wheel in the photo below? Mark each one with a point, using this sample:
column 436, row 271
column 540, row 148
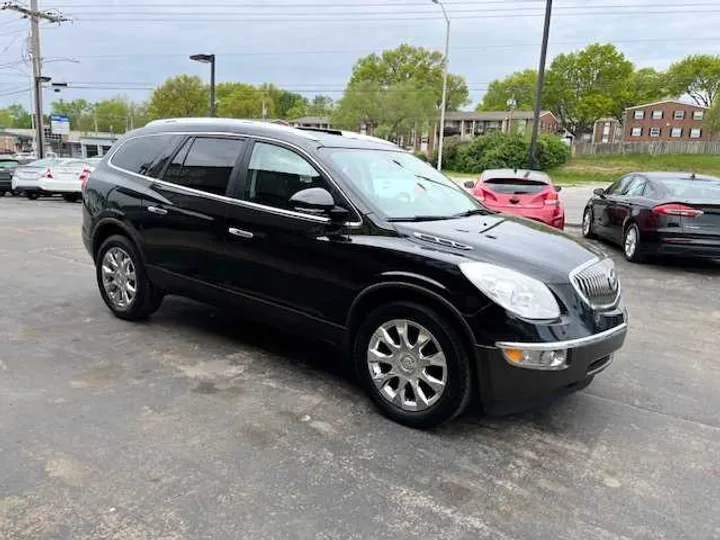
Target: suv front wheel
column 413, row 365
column 123, row 282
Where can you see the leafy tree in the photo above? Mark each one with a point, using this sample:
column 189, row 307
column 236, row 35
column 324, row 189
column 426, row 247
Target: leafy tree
column 283, row 100
column 321, row 106
column 113, row 115
column 361, row 104
column 15, row 116
column 179, row 96
column 519, row 87
column 711, row 124
column 405, row 105
column 418, row 65
column 697, row 76
column 80, row 112
column 586, row 85
column 239, row 100
column 648, row 85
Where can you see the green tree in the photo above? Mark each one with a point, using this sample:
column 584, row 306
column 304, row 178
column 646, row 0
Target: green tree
column 418, row 65
column 80, row 112
column 519, row 87
column 239, row 100
column 179, row 96
column 697, row 76
column 284, row 101
column 711, row 124
column 113, row 115
column 321, row 106
column 15, row 116
column 362, row 103
column 648, row 85
column 588, row 84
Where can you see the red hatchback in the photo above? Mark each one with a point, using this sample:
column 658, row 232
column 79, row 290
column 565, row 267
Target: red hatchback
column 525, row 193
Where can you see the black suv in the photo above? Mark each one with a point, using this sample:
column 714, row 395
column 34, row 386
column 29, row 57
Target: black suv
column 352, row 240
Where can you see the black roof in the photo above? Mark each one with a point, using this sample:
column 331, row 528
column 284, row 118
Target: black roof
column 670, row 175
column 299, row 137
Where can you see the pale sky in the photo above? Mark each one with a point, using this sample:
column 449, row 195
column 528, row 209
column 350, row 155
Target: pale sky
column 125, row 48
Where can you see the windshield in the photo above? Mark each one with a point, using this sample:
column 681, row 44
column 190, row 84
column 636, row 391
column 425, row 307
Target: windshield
column 401, row 186
column 46, row 162
column 699, row 189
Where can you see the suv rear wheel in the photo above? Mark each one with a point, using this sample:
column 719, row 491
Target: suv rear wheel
column 123, row 282
column 413, row 365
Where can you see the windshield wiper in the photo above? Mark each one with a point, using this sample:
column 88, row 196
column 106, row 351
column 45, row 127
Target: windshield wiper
column 473, row 212
column 421, row 218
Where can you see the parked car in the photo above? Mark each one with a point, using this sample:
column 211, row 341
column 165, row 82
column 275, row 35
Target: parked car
column 434, row 297
column 7, row 166
column 657, row 213
column 525, row 193
column 53, row 176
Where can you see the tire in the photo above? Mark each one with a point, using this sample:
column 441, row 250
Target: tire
column 32, row 196
column 145, row 300
column 587, row 228
column 632, row 248
column 432, row 408
column 71, row 197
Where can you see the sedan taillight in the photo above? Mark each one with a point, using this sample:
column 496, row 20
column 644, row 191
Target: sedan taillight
column 676, row 209
column 84, row 175
column 552, row 199
column 48, row 174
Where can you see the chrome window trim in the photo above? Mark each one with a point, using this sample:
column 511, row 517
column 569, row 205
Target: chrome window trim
column 582, row 296
column 231, row 200
column 569, row 344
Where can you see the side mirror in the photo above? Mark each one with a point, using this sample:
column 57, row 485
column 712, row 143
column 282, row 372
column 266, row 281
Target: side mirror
column 469, row 184
column 600, row 192
column 558, row 189
column 317, row 201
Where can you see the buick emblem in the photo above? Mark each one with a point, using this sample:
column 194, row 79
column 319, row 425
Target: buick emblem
column 612, row 279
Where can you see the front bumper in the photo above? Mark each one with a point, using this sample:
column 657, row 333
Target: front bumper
column 506, row 388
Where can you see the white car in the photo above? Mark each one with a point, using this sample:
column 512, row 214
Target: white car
column 53, row 176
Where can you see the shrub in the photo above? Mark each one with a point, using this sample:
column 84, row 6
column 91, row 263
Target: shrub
column 421, row 156
column 501, row 150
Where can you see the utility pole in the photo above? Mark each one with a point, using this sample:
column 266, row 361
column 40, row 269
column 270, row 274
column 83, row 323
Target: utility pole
column 34, row 14
column 541, row 80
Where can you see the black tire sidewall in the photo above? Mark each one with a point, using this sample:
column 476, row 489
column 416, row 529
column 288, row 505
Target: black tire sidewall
column 589, row 233
column 146, row 300
column 459, row 380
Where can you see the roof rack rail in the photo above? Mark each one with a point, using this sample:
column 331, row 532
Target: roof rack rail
column 319, row 129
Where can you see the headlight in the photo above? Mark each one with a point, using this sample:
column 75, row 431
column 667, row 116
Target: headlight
column 516, row 292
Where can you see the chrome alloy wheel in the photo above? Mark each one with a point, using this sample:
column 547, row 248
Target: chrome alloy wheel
column 407, row 365
column 118, row 277
column 631, row 241
column 587, row 222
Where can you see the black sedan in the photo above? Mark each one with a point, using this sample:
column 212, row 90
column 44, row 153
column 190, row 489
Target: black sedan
column 658, row 213
column 7, row 166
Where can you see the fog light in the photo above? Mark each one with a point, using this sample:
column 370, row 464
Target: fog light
column 550, row 360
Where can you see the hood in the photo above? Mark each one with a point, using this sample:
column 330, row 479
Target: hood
column 523, row 245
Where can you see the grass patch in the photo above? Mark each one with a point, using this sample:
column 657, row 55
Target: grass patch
column 609, row 168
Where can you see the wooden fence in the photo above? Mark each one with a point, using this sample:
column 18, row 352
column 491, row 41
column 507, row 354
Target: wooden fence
column 652, row 148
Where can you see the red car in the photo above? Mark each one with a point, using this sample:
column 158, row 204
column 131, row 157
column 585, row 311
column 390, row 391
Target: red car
column 525, row 193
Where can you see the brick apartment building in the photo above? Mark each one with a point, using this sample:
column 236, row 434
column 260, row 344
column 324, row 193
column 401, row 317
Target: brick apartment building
column 668, row 120
column 607, row 130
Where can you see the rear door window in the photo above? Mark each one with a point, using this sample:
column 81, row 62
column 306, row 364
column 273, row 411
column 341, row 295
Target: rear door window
column 514, row 186
column 636, row 187
column 205, row 164
column 139, row 155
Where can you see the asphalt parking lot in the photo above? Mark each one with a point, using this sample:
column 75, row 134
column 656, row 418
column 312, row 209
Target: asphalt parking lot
column 202, row 424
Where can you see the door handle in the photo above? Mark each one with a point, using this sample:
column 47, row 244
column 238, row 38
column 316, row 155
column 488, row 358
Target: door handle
column 157, row 210
column 240, row 233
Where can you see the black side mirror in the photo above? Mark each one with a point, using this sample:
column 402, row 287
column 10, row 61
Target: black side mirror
column 317, row 201
column 469, row 184
column 558, row 189
column 600, row 192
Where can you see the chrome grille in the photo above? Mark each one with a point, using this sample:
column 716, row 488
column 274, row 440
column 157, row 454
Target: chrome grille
column 597, row 283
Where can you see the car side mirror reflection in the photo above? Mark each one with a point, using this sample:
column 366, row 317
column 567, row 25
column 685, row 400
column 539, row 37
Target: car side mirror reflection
column 558, row 189
column 600, row 192
column 317, row 201
column 469, row 184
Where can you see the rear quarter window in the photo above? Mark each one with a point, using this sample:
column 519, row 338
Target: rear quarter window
column 138, row 155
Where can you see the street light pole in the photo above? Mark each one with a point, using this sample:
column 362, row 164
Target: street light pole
column 532, row 158
column 443, row 105
column 208, row 59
